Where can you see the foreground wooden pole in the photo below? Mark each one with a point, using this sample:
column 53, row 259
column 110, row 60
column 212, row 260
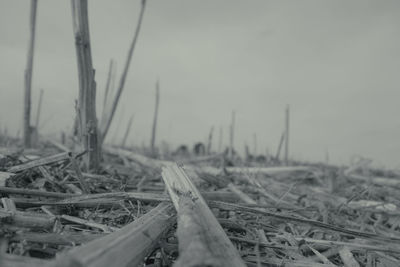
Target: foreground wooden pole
column 125, row 247
column 287, row 136
column 106, row 125
column 202, row 240
column 87, row 85
column 28, row 76
column 153, row 131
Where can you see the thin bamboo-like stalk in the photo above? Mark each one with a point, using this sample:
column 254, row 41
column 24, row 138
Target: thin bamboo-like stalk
column 111, row 72
column 278, row 152
column 287, row 136
column 153, row 131
column 106, row 126
column 117, row 129
column 39, row 109
column 209, row 143
column 128, row 129
column 106, row 91
column 220, row 139
column 232, row 135
column 255, row 144
column 28, row 76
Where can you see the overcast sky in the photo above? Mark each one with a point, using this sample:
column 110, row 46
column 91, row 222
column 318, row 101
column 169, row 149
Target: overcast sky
column 335, row 62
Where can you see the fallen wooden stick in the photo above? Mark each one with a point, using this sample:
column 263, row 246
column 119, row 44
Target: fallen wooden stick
column 125, row 247
column 4, row 176
column 26, row 219
column 8, row 204
column 376, row 180
column 360, row 164
column 33, row 192
column 63, row 239
column 202, row 158
column 202, row 241
column 106, row 199
column 66, row 238
column 104, row 228
column 266, row 170
column 40, row 162
column 243, row 196
column 353, row 245
column 346, row 231
column 10, row 260
column 154, row 163
column 58, row 145
column 145, row 161
column 348, row 258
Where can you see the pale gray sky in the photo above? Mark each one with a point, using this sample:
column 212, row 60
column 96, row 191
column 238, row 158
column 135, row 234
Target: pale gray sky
column 335, row 62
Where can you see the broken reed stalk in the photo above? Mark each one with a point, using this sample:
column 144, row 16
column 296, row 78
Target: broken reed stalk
column 125, row 247
column 106, row 92
column 87, row 86
column 287, row 135
column 232, row 132
column 28, row 76
column 220, row 139
column 246, row 151
column 278, row 152
column 39, row 108
column 153, row 131
column 202, row 240
column 117, row 129
column 107, row 124
column 255, row 144
column 209, row 143
column 128, row 129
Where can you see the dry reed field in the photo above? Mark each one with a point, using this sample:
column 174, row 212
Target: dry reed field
column 75, row 200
